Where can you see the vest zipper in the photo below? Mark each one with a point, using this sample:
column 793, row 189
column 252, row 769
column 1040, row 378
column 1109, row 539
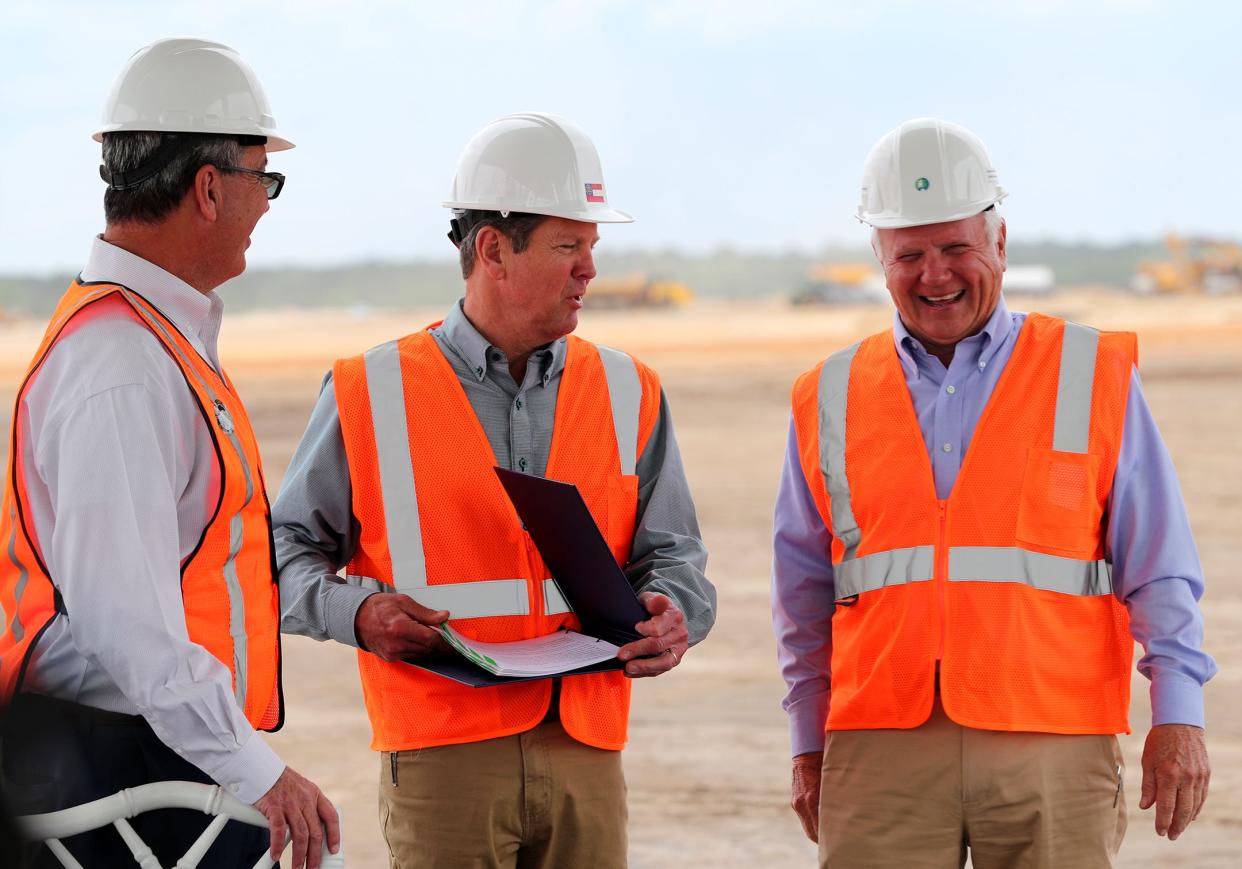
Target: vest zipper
column 534, row 588
column 942, row 574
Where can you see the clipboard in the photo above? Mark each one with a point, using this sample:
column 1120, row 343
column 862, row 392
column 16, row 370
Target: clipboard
column 590, row 580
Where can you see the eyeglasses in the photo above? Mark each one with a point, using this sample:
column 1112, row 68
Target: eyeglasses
column 273, row 182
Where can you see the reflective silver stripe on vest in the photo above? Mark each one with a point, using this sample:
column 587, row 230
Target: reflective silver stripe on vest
column 497, row 597
column 882, row 569
column 834, row 381
column 392, row 448
column 554, row 602
column 472, row 600
column 1046, row 572
column 232, row 583
column 23, row 577
column 237, row 609
column 1074, row 385
column 625, row 393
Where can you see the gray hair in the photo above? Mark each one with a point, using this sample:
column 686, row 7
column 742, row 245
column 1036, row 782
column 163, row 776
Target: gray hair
column 992, row 221
column 155, row 198
column 516, row 226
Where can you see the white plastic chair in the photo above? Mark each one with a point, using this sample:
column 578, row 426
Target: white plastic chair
column 50, row 828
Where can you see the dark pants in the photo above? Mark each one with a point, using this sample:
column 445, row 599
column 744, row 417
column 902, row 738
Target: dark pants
column 58, row 754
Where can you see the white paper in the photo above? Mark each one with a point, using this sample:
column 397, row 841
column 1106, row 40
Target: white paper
column 541, row 656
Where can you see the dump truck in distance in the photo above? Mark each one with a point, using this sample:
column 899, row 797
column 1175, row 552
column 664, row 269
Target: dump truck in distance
column 636, row 291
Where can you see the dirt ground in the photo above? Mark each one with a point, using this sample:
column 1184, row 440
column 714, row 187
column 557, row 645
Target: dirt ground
column 708, row 764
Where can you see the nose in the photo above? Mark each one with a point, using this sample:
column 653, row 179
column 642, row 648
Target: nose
column 935, row 268
column 585, row 270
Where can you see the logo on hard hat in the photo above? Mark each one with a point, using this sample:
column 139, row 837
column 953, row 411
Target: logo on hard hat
column 921, row 184
column 595, row 193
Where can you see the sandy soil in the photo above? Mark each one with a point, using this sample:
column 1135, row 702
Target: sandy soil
column 708, row 761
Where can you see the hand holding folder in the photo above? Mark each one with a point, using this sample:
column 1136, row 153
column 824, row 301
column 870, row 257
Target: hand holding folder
column 583, row 566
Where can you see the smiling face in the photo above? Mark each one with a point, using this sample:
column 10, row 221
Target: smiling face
column 546, row 282
column 945, row 279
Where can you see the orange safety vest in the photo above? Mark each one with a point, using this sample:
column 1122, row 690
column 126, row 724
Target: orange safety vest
column 228, row 582
column 1005, row 582
column 436, row 524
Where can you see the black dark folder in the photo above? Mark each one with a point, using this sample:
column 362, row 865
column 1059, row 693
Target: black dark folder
column 576, row 553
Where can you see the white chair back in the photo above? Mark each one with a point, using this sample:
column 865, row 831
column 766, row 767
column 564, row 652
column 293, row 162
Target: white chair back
column 50, row 828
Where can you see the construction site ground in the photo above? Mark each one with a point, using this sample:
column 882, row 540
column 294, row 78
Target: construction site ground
column 708, row 764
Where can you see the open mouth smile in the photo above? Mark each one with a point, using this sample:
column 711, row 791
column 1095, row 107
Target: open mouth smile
column 942, row 301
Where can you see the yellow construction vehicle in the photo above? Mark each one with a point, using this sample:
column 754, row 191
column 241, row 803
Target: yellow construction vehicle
column 636, row 291
column 1195, row 266
column 839, row 283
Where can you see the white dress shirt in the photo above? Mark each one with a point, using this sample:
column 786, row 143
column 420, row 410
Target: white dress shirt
column 121, row 472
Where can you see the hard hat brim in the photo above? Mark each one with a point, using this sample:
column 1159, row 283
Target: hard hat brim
column 897, row 221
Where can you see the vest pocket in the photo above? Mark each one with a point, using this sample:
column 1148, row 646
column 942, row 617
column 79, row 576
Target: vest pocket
column 1059, row 509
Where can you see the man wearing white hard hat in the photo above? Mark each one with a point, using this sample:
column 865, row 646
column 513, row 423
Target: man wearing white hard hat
column 976, row 520
column 141, row 634
column 394, row 482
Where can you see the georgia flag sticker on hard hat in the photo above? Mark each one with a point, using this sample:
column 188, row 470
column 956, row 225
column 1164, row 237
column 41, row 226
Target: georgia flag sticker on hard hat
column 595, row 192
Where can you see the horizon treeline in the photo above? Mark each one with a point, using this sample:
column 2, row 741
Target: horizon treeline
column 721, row 274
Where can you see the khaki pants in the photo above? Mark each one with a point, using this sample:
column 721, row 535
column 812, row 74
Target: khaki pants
column 918, row 799
column 535, row 800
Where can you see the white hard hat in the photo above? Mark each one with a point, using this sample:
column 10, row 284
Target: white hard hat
column 533, row 163
column 190, row 86
column 927, row 171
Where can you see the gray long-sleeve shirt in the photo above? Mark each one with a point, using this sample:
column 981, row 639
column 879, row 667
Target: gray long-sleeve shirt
column 317, row 532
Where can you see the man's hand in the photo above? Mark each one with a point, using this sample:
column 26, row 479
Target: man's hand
column 1175, row 776
column 804, row 796
column 393, row 626
column 294, row 806
column 664, row 636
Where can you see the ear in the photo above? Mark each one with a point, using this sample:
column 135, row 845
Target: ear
column 1000, row 243
column 207, row 192
column 491, row 250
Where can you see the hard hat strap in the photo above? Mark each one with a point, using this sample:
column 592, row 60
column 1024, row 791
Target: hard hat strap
column 459, row 228
column 161, row 157
column 165, row 153
column 466, row 219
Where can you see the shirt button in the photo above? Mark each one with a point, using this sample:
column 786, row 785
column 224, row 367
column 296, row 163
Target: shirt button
column 982, row 364
column 950, row 389
column 948, row 448
column 521, row 464
column 518, row 404
column 478, row 372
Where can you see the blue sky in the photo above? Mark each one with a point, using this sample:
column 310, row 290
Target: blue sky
column 719, row 123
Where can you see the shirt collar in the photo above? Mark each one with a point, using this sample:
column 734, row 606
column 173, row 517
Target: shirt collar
column 196, row 315
column 989, row 339
column 474, row 349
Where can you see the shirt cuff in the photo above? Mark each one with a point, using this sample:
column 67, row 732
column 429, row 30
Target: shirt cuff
column 806, row 723
column 1176, row 699
column 341, row 609
column 251, row 770
column 697, row 605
